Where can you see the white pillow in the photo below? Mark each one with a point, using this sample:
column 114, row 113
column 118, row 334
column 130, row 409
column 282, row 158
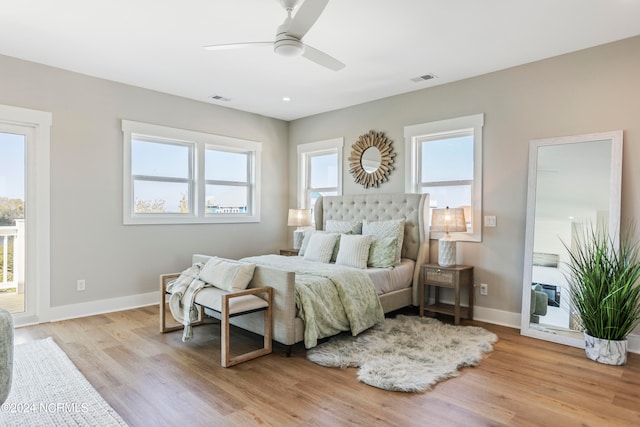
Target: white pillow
column 320, row 247
column 382, row 229
column 305, row 241
column 347, row 227
column 227, row 274
column 354, row 250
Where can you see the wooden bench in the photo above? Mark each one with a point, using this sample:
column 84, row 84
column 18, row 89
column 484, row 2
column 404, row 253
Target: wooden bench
column 227, row 304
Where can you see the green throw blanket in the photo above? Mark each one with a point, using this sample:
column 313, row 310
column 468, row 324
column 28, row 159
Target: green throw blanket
column 330, row 298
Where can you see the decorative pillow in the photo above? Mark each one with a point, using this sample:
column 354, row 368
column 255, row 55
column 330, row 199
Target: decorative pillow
column 382, row 253
column 227, row 274
column 320, row 247
column 346, row 227
column 382, row 229
column 305, row 241
column 354, row 250
column 336, row 248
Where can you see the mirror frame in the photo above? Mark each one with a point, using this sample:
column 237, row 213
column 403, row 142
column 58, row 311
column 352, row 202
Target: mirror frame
column 380, row 175
column 615, row 186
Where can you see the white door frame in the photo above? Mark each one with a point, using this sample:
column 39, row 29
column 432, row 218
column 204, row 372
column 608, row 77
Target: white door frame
column 37, row 126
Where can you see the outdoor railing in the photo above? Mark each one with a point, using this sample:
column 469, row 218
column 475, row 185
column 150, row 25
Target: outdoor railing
column 8, row 239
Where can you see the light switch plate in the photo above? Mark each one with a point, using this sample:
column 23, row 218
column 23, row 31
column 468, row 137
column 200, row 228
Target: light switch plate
column 490, row 221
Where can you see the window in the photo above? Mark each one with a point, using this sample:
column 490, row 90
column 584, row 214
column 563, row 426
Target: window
column 228, row 181
column 319, row 171
column 175, row 176
column 444, row 159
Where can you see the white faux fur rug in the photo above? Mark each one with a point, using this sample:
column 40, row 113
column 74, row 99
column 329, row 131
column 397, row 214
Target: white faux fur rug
column 406, row 353
column 48, row 390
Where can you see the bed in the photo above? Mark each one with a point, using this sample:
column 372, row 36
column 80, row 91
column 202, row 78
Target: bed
column 395, row 287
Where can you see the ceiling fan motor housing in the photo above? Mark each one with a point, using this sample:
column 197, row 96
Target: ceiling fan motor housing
column 288, row 46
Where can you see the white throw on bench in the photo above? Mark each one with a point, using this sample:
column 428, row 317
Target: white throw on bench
column 226, row 304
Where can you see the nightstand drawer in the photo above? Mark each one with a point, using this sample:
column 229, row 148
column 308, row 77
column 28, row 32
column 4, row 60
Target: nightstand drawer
column 440, row 276
column 289, row 252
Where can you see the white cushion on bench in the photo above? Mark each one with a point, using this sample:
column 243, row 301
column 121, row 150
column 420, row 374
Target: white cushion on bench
column 211, row 297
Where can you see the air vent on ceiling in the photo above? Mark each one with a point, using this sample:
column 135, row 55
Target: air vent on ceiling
column 423, row 78
column 219, row 98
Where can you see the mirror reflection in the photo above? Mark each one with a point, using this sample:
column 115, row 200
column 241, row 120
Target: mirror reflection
column 574, row 182
column 371, row 159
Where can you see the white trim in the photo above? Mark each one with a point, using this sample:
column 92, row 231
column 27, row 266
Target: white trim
column 411, row 135
column 496, row 317
column 512, row 320
column 38, row 196
column 616, row 138
column 92, row 308
column 318, row 147
column 200, row 140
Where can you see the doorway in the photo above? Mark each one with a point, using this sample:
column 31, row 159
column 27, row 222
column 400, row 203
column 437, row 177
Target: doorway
column 14, row 294
column 24, row 213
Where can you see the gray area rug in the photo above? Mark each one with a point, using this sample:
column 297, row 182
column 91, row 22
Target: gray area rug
column 48, row 390
column 406, row 353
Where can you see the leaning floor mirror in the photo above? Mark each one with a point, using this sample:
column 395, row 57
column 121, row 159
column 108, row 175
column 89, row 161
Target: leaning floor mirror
column 574, row 182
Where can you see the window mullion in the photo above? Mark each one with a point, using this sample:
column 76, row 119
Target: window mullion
column 446, row 183
column 160, row 179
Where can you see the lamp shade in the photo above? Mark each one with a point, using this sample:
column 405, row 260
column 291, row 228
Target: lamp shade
column 448, row 220
column 299, row 217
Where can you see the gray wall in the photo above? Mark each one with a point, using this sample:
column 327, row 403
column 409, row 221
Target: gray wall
column 588, row 91
column 88, row 239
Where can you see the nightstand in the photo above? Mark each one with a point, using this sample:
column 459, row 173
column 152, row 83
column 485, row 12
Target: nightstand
column 289, row 252
column 447, row 277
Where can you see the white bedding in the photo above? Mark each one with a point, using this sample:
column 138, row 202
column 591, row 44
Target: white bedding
column 390, row 279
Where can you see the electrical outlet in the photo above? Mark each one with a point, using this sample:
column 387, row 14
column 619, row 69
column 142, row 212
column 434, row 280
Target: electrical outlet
column 484, row 289
column 81, row 285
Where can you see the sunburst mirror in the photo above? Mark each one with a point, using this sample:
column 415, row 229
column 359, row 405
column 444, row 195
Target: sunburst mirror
column 371, row 159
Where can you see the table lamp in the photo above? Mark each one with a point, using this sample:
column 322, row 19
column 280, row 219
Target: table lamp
column 299, row 218
column 447, row 220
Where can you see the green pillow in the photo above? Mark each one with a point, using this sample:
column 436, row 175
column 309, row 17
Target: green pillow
column 382, row 253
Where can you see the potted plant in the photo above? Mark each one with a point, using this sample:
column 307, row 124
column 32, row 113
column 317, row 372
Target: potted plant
column 604, row 292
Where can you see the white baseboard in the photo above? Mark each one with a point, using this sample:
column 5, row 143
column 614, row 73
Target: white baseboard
column 512, row 320
column 71, row 311
column 497, row 317
column 92, row 308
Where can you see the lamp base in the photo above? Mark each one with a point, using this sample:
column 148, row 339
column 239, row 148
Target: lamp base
column 298, row 235
column 446, row 252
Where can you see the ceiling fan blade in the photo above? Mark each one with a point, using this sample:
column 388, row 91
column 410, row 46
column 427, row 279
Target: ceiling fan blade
column 305, row 17
column 236, row 45
column 322, row 58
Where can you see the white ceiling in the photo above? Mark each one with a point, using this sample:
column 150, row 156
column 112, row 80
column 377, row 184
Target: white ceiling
column 157, row 44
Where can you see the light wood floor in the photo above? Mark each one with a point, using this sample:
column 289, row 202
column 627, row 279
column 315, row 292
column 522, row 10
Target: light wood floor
column 157, row 380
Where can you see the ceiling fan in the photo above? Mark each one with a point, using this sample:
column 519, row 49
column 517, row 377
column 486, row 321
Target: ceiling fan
column 289, row 35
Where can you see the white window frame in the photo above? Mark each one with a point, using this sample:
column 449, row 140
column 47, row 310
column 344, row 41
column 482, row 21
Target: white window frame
column 305, row 152
column 37, row 214
column 199, row 142
column 415, row 133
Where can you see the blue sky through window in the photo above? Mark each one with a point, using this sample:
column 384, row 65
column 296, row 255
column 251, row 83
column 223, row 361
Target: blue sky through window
column 12, row 171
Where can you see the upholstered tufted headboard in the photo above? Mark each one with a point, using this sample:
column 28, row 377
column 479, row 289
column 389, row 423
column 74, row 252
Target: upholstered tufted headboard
column 413, row 208
column 379, row 207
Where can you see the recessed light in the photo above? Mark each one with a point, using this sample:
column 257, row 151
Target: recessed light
column 286, row 99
